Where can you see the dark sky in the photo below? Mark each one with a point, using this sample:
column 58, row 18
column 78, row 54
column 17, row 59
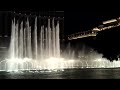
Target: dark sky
column 80, row 20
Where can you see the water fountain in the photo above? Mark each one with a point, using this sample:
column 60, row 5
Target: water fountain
column 32, row 51
column 39, row 49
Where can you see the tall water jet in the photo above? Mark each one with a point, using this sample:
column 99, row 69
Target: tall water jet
column 7, row 65
column 35, row 40
column 53, row 37
column 57, row 41
column 16, row 39
column 30, row 46
column 49, row 39
column 41, row 43
column 12, row 43
column 21, row 41
column 46, row 42
column 29, row 51
column 25, row 46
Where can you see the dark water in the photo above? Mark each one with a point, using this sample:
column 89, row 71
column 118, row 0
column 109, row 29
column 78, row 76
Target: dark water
column 66, row 74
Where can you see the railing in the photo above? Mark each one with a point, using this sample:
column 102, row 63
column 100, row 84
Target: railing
column 89, row 33
column 81, row 35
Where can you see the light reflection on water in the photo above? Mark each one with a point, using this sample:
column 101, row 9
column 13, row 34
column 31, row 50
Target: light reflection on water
column 64, row 74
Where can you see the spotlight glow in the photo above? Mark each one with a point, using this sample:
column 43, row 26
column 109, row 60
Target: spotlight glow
column 16, row 64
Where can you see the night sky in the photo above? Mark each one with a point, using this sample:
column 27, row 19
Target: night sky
column 80, row 20
column 76, row 19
